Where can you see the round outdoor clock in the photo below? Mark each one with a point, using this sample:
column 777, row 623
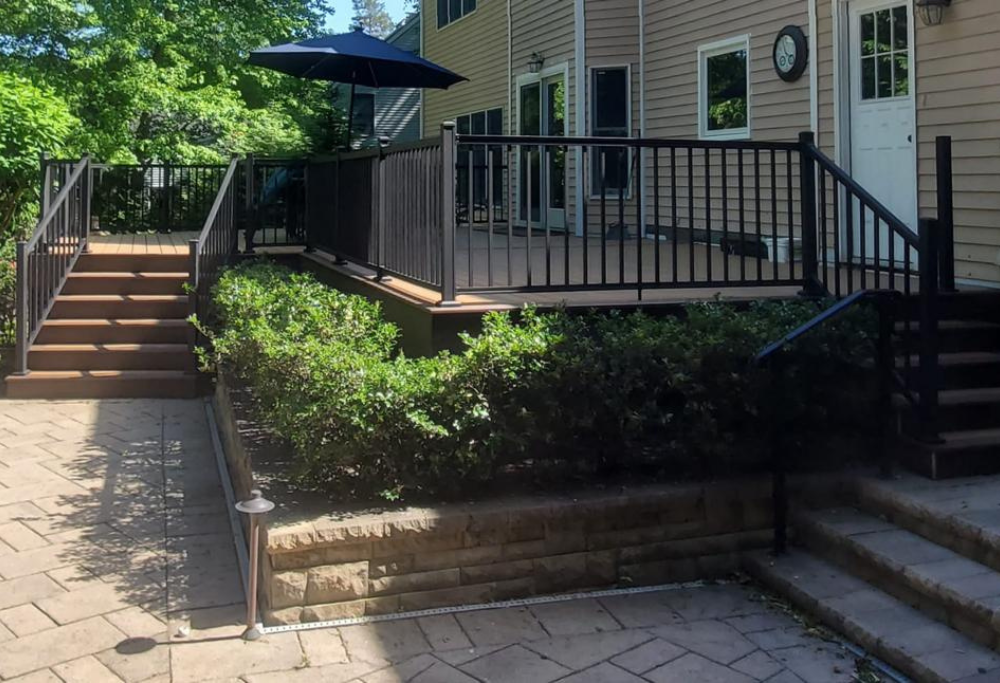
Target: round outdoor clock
column 791, row 53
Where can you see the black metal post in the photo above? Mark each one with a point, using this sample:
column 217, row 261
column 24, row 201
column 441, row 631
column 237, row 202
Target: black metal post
column 448, row 167
column 929, row 383
column 168, row 200
column 21, row 311
column 250, row 204
column 45, row 196
column 946, row 212
column 807, row 188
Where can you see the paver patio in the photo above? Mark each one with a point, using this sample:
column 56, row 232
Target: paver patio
column 113, row 529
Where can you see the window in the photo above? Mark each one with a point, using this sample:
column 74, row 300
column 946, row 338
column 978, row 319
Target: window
column 610, row 116
column 453, row 10
column 364, row 115
column 489, row 122
column 724, row 89
column 885, row 54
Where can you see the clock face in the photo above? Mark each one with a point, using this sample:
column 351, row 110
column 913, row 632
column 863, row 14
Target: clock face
column 785, row 54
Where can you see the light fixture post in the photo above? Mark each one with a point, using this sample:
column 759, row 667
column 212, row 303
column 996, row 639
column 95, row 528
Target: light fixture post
column 254, row 508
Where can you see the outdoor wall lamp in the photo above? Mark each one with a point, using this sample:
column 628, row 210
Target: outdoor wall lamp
column 535, row 62
column 254, row 508
column 932, row 11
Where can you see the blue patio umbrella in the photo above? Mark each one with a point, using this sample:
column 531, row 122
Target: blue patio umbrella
column 355, row 58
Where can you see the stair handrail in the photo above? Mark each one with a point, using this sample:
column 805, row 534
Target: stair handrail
column 45, row 259
column 214, row 246
column 770, row 355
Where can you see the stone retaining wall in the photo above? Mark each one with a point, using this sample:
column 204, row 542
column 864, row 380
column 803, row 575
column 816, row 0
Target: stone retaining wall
column 414, row 560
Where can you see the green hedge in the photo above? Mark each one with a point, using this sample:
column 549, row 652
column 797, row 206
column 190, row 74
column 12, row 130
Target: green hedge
column 548, row 397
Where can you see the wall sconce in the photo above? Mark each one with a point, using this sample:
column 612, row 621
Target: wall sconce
column 932, row 11
column 536, row 62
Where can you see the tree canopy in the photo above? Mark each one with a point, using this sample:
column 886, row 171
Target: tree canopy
column 372, row 16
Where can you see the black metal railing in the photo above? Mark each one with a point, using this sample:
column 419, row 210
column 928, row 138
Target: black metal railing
column 274, row 202
column 384, row 209
column 154, row 197
column 45, row 259
column 216, row 244
column 780, row 421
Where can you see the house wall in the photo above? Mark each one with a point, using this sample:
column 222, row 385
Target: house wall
column 475, row 46
column 957, row 91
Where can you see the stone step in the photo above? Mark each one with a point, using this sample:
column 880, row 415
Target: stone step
column 103, row 384
column 132, row 263
column 113, row 331
column 943, row 584
column 962, row 370
column 960, row 514
column 920, row 647
column 958, row 335
column 961, row 453
column 125, row 283
column 120, row 306
column 111, row 357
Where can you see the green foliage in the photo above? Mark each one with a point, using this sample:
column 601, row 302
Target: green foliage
column 32, row 120
column 372, row 16
column 555, row 396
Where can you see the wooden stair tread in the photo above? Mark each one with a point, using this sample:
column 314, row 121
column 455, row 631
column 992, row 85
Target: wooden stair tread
column 957, row 358
column 110, row 348
column 114, row 298
column 969, row 438
column 151, row 375
column 112, row 322
column 955, row 324
column 127, row 275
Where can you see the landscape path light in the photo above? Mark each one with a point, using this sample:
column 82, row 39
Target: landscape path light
column 254, row 508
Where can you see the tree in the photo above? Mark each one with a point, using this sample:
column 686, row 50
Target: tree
column 372, row 16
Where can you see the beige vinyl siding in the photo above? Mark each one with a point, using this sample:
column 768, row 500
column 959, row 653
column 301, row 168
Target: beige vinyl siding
column 475, row 46
column 958, row 94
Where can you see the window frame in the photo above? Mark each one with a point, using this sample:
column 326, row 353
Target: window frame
column 591, row 117
column 715, row 49
column 450, row 22
column 374, row 118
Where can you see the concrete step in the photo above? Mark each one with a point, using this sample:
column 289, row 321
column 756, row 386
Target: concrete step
column 111, row 357
column 119, row 306
column 132, row 263
column 941, row 583
column 103, row 384
column 960, row 514
column 125, row 283
column 961, row 453
column 959, row 409
column 962, row 370
column 113, row 331
column 920, row 647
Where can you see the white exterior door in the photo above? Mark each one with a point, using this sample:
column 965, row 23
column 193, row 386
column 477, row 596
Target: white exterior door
column 542, row 111
column 883, row 129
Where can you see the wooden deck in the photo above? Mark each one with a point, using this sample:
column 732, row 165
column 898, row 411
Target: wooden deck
column 141, row 244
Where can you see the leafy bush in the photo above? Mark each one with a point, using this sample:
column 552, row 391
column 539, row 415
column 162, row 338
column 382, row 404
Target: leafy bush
column 552, row 396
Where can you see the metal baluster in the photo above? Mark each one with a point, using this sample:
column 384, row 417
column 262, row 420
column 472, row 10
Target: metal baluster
column 775, row 275
column 565, row 212
column 469, row 209
column 756, row 209
column 791, row 215
column 511, row 212
column 836, row 238
column 863, row 224
column 742, row 217
column 725, row 215
column 673, row 212
column 604, row 217
column 824, row 259
column 489, row 216
column 656, row 211
column 528, row 212
column 690, row 198
column 708, row 215
column 585, row 218
column 849, row 234
column 622, row 182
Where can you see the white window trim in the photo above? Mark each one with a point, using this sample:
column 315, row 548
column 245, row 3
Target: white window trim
column 455, row 21
column 596, row 196
column 706, row 51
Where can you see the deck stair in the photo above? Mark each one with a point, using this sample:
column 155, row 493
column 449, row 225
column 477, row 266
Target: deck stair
column 908, row 570
column 968, row 417
column 116, row 330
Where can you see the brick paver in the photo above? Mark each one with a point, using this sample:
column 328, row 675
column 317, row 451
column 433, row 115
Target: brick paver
column 116, row 563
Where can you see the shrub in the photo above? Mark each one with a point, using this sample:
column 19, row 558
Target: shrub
column 551, row 396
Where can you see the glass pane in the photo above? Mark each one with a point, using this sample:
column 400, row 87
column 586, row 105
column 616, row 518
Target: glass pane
column 867, row 34
column 364, row 114
column 901, row 77
column 531, row 158
column 868, row 78
column 479, row 123
column 727, row 90
column 555, row 97
column 455, row 9
column 470, row 5
column 610, row 102
column 464, row 125
column 883, row 31
column 900, row 29
column 494, row 122
column 615, row 170
column 442, row 13
column 555, row 123
column 884, row 63
column 530, row 123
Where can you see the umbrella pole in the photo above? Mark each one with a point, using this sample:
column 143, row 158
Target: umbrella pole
column 350, row 119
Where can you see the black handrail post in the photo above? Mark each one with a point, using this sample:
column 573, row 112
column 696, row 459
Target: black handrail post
column 251, row 217
column 193, row 283
column 45, row 196
column 946, row 212
column 168, row 199
column 811, row 285
column 309, row 232
column 885, row 306
column 21, row 311
column 929, row 315
column 448, row 166
column 87, row 192
column 380, row 208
